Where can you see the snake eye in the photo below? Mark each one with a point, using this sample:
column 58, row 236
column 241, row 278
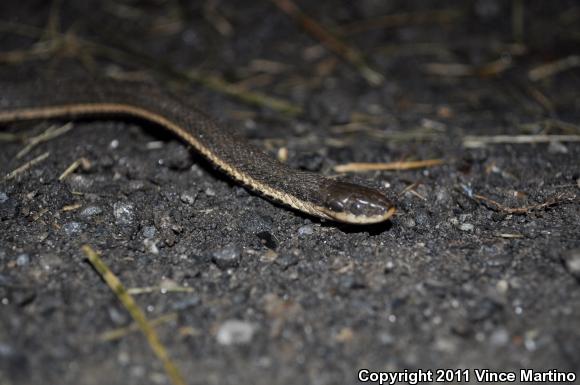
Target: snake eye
column 351, row 203
column 336, row 205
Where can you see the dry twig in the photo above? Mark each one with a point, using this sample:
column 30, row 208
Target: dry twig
column 559, row 198
column 411, row 190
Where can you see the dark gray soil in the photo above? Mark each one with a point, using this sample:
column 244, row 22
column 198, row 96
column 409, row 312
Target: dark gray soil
column 275, row 297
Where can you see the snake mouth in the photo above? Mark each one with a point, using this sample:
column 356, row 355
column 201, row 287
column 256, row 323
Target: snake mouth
column 346, row 217
column 350, row 203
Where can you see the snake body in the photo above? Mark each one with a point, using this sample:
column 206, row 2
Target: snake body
column 305, row 191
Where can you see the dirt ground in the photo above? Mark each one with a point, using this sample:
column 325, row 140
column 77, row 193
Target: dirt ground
column 480, row 268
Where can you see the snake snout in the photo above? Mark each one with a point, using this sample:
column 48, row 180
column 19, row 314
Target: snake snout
column 347, row 202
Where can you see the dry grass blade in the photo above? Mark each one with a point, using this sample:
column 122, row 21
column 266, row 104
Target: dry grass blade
column 444, row 16
column 119, row 333
column 73, row 207
column 218, row 84
column 472, row 141
column 509, row 235
column 461, row 70
column 38, row 51
column 51, row 133
column 410, row 165
column 361, row 128
column 81, row 162
column 9, row 137
column 159, row 289
column 127, row 300
column 553, row 68
column 320, row 33
column 26, row 166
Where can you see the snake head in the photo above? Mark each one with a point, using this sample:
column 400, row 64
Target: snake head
column 351, row 203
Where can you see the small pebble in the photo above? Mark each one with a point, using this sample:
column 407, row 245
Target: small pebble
column 442, row 196
column 571, row 259
column 408, row 222
column 389, row 267
column 149, row 232
column 502, row 286
column 209, row 192
column 422, row 219
column 72, row 228
column 79, row 183
column 306, row 230
column 91, row 211
column 196, row 170
column 151, row 246
column 50, row 261
column 227, row 257
column 22, row 260
column 466, row 227
column 530, row 340
column 386, row 338
column 445, row 345
column 464, row 217
column 188, row 197
column 3, row 197
column 135, row 185
column 164, row 221
column 124, row 213
column 235, row 332
column 499, row 337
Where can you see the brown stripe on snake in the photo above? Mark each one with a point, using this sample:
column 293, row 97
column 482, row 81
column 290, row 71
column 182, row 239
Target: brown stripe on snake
column 305, row 191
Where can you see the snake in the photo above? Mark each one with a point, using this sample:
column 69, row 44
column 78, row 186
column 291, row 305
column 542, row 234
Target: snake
column 308, row 192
